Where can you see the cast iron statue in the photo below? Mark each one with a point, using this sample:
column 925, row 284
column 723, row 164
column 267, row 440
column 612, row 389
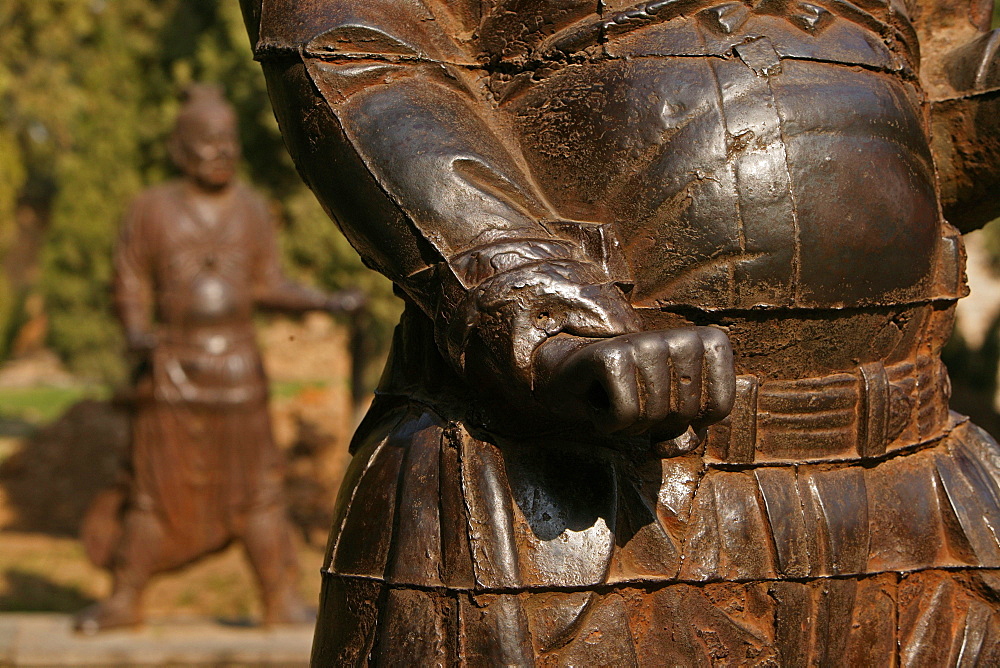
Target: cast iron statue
column 667, row 389
column 196, row 256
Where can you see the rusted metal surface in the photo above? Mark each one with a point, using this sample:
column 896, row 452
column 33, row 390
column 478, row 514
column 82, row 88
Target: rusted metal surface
column 196, row 256
column 667, row 389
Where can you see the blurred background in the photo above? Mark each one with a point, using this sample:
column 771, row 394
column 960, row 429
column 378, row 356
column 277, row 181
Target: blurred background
column 89, row 90
column 88, row 93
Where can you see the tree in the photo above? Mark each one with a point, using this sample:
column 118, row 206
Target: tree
column 89, row 92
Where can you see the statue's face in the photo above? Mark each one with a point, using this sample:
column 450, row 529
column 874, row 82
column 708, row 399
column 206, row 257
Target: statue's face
column 207, row 148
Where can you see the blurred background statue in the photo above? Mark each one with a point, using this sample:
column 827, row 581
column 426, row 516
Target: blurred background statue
column 195, row 257
column 667, row 389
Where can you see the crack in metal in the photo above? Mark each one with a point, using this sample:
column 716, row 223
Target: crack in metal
column 656, row 584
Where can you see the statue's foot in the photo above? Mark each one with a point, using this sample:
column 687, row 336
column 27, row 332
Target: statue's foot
column 289, row 609
column 119, row 611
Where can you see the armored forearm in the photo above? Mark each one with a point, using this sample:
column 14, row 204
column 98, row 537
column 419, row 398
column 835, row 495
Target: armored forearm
column 286, row 295
column 272, row 289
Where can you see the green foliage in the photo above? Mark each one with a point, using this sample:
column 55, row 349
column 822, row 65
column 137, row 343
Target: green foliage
column 41, row 405
column 89, row 91
column 12, row 179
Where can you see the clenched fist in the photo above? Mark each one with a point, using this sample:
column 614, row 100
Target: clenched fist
column 660, row 382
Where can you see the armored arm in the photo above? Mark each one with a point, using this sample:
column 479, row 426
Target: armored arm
column 133, row 283
column 961, row 71
column 375, row 104
column 272, row 288
column 379, row 107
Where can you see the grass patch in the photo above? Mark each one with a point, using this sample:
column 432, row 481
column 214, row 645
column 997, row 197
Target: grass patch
column 289, row 389
column 40, row 405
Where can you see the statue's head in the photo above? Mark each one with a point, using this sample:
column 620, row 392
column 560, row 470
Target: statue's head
column 204, row 144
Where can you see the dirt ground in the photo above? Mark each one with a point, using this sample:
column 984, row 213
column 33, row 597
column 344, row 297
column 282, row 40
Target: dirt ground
column 46, row 573
column 48, row 477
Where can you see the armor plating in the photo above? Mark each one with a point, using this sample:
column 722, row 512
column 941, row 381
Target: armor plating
column 566, row 462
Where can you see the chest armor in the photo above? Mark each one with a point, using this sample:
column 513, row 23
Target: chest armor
column 772, row 155
column 205, row 272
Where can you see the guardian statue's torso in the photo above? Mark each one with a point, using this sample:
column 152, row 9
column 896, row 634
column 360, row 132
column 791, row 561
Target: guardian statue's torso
column 667, row 390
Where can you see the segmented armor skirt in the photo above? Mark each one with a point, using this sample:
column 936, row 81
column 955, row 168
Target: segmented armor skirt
column 450, row 550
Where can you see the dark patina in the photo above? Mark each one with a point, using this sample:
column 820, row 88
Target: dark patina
column 667, row 390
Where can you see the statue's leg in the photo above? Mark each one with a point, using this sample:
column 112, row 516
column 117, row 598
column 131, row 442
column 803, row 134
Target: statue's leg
column 173, row 514
column 257, row 512
column 142, row 552
column 267, row 538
